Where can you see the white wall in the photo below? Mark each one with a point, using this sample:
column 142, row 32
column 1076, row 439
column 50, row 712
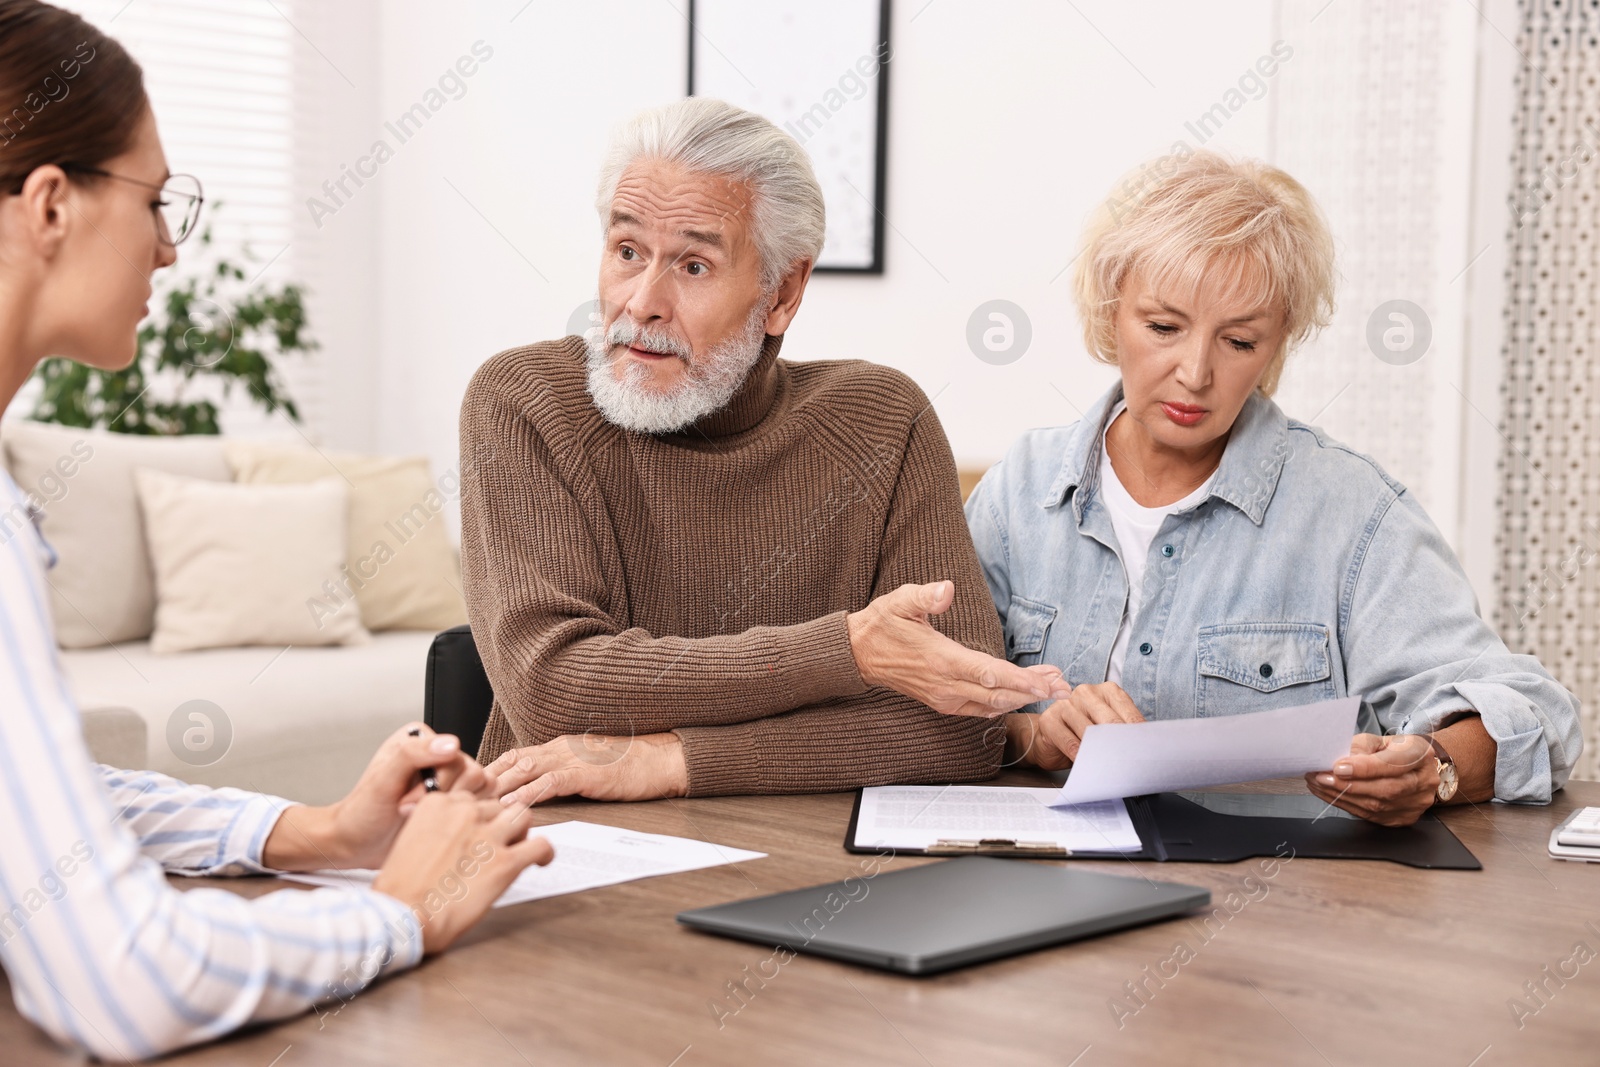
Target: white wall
column 337, row 73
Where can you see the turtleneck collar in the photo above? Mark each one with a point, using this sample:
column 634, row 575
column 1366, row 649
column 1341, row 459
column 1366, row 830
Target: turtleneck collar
column 750, row 404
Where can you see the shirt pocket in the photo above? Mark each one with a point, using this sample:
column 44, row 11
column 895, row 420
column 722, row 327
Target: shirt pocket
column 1254, row 666
column 1027, row 628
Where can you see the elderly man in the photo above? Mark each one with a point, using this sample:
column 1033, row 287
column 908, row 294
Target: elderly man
column 693, row 568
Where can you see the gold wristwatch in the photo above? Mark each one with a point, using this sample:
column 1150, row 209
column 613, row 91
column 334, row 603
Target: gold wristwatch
column 1449, row 779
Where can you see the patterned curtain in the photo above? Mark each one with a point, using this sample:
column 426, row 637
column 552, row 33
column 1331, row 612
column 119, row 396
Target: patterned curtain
column 1549, row 505
column 1360, row 117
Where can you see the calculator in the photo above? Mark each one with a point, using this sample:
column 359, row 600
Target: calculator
column 1578, row 838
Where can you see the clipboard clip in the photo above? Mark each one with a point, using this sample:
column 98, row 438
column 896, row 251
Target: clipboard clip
column 946, row 846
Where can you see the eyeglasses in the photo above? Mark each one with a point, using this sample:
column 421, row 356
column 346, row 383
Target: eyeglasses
column 179, row 207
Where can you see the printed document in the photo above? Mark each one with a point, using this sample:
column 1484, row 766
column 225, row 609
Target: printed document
column 588, row 855
column 1131, row 759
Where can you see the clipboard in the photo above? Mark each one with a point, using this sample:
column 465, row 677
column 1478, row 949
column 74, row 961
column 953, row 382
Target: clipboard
column 1004, row 848
column 1229, row 827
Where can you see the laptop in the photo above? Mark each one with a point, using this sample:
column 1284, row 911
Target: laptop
column 939, row 916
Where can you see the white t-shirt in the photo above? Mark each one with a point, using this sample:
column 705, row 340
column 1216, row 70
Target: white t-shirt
column 1135, row 526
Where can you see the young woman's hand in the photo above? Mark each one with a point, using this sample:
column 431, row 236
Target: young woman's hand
column 455, row 856
column 358, row 830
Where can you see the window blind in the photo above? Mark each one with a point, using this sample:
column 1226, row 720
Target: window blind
column 220, row 75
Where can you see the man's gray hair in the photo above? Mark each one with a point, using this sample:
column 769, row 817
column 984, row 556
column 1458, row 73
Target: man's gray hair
column 787, row 220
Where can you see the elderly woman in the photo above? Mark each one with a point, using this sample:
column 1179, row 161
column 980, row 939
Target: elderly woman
column 1186, row 550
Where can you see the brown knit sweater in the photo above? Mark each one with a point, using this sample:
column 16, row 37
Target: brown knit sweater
column 624, row 583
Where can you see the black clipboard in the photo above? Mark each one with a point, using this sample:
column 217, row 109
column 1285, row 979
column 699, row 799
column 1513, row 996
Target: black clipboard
column 1229, row 827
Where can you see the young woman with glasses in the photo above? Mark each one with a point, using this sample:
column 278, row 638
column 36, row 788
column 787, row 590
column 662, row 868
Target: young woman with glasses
column 101, row 952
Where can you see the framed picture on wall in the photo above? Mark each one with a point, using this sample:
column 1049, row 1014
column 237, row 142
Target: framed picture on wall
column 818, row 69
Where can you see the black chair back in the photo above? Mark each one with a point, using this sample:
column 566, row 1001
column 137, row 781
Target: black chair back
column 457, row 698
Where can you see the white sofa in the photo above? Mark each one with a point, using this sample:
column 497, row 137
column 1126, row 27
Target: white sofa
column 303, row 721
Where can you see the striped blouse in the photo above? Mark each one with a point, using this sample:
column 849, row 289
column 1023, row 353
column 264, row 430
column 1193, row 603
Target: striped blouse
column 101, row 951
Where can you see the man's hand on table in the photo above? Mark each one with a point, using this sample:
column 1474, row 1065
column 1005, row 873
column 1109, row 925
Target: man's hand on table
column 895, row 646
column 646, row 767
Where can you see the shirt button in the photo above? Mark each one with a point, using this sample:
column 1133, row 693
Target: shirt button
column 1145, row 649
column 1166, row 550
column 1266, row 670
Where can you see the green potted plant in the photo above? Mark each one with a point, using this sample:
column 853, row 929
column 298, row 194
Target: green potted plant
column 207, row 327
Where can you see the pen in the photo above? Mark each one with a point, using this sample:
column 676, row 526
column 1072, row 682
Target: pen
column 430, row 778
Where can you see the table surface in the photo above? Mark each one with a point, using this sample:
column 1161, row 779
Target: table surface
column 1323, row 962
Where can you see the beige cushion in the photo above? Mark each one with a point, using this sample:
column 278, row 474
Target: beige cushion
column 247, row 564
column 404, row 570
column 102, row 588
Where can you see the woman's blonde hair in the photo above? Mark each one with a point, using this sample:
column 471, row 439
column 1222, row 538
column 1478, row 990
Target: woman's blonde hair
column 1189, row 216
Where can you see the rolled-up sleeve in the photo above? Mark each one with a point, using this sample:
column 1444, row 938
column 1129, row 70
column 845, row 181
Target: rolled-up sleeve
column 1417, row 651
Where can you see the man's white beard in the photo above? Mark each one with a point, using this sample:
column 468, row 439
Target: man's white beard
column 708, row 384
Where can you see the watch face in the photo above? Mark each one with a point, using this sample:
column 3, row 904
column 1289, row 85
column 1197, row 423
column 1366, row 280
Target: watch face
column 1448, row 780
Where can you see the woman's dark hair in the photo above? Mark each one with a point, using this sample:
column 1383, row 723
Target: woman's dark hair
column 68, row 93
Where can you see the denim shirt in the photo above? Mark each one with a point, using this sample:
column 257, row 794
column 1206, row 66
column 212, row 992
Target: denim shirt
column 1307, row 574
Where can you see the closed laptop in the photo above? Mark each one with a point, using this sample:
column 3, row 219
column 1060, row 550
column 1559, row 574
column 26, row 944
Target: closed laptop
column 943, row 915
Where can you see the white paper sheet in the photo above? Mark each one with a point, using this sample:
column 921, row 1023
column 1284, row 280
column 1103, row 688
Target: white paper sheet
column 588, row 855
column 919, row 816
column 1131, row 759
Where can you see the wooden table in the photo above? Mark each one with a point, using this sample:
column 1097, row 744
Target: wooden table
column 1326, row 962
